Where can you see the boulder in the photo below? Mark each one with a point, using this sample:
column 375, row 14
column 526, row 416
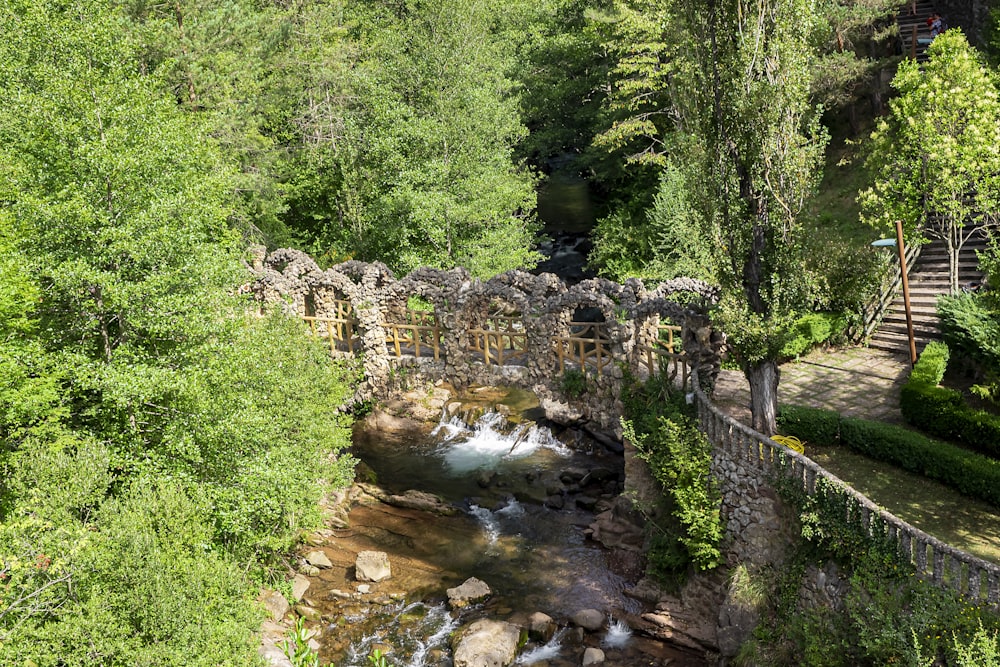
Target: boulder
column 318, row 559
column 299, row 586
column 412, row 499
column 307, row 612
column 555, row 502
column 372, row 566
column 275, row 604
column 472, row 590
column 541, row 627
column 486, row 643
column 590, row 620
column 593, row 656
column 274, row 656
column 571, row 475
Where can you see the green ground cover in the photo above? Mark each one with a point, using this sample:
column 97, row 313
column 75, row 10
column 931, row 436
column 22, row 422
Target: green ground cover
column 967, row 524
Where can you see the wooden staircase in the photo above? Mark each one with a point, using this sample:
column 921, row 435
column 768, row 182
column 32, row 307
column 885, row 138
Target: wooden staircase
column 928, row 279
column 912, row 22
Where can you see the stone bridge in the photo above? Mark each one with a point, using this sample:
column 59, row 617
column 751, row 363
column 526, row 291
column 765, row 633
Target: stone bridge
column 572, row 345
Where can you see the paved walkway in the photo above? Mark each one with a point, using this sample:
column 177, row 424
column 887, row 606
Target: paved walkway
column 854, row 381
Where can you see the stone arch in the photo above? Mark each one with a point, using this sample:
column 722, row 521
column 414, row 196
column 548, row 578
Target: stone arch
column 543, row 305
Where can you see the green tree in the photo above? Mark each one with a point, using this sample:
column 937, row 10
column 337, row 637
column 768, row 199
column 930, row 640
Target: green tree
column 156, row 439
column 410, row 159
column 935, row 157
column 754, row 148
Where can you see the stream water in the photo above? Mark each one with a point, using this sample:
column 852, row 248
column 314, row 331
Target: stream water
column 501, row 474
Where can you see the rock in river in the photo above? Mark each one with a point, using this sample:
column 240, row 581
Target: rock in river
column 486, row 643
column 372, row 566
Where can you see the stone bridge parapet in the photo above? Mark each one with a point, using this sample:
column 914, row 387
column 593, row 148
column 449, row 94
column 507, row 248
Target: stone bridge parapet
column 572, row 345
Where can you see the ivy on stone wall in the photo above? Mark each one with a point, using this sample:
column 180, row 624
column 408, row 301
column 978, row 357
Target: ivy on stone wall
column 679, row 458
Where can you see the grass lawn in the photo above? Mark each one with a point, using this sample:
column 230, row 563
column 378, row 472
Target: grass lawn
column 967, row 524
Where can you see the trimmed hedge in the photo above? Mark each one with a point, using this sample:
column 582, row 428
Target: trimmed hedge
column 932, row 364
column 813, row 425
column 942, row 412
column 969, row 473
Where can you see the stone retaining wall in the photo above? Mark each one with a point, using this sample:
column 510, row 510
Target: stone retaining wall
column 747, row 463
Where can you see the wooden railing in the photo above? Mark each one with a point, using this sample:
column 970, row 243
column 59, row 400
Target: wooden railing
column 501, row 340
column 584, row 349
column 340, row 331
column 664, row 357
column 873, row 313
column 944, row 565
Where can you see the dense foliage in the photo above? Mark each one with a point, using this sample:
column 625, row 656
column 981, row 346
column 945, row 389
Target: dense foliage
column 970, row 324
column 890, row 616
column 158, row 441
column 811, row 330
column 667, row 437
column 943, row 412
column 934, row 156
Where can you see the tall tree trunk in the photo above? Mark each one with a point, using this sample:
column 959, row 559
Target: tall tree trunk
column 763, row 378
column 953, row 250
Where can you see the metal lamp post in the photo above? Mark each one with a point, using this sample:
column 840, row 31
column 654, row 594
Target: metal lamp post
column 898, row 242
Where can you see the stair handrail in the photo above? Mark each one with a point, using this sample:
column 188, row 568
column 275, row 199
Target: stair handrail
column 873, row 313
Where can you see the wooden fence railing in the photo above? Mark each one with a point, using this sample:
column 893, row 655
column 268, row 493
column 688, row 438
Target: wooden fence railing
column 500, row 340
column 873, row 312
column 947, row 567
column 663, row 357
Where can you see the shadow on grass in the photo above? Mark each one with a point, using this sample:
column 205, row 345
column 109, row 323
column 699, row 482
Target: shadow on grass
column 967, row 524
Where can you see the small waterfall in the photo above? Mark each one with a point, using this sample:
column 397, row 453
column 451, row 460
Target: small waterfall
column 490, row 440
column 499, row 523
column 489, row 522
column 618, row 633
column 547, row 651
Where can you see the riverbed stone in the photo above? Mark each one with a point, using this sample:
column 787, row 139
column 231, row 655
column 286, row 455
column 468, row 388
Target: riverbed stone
column 556, row 502
column 275, row 604
column 307, row 612
column 372, row 566
column 300, row 585
column 412, row 499
column 470, row 591
column 486, row 643
column 572, row 475
column 274, row 656
column 541, row 626
column 318, row 559
column 592, row 656
column 590, row 620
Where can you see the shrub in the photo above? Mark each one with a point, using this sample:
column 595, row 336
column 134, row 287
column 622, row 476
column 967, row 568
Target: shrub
column 971, row 327
column 812, row 425
column 943, row 412
column 810, row 330
column 573, row 383
column 932, row 364
column 679, row 458
column 142, row 587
